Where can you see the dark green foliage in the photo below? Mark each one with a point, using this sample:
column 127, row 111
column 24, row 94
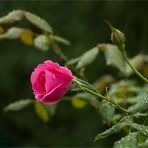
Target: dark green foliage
column 18, row 105
column 88, row 57
column 141, row 104
column 107, row 112
column 114, row 129
column 141, row 128
column 129, row 141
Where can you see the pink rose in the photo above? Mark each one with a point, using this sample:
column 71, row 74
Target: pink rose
column 50, row 82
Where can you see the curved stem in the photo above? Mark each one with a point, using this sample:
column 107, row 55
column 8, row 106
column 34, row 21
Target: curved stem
column 107, row 99
column 97, row 94
column 122, row 48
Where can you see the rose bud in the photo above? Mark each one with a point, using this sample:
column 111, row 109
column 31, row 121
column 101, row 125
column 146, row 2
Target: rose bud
column 117, row 37
column 50, row 82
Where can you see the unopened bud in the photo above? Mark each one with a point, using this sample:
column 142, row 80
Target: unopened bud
column 117, row 37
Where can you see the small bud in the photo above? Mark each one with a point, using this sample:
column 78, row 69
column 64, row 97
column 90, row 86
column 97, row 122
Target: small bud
column 117, row 37
column 42, row 42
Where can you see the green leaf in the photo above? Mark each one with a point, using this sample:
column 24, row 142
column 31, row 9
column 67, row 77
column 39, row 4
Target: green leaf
column 124, row 89
column 59, row 39
column 144, row 145
column 52, row 109
column 88, row 57
column 41, row 111
column 38, row 22
column 116, row 118
column 114, row 129
column 73, row 61
column 41, row 42
column 88, row 98
column 141, row 128
column 145, row 88
column 18, row 105
column 12, row 18
column 146, row 58
column 12, row 33
column 78, row 103
column 136, row 62
column 129, row 141
column 137, row 115
column 107, row 112
column 104, row 81
column 141, row 104
column 114, row 57
column 141, row 138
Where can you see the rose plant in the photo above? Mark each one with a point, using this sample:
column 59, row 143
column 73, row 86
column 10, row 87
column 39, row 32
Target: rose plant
column 50, row 81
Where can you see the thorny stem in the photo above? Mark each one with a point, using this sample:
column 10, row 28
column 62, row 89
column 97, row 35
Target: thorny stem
column 122, row 48
column 97, row 94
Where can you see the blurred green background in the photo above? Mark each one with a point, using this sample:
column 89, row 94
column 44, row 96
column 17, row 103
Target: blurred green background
column 82, row 22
